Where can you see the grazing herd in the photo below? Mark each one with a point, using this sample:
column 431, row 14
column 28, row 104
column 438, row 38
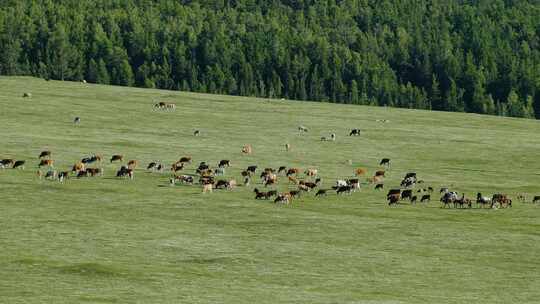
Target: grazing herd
column 299, row 182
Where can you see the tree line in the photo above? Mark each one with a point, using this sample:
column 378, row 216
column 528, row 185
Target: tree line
column 477, row 56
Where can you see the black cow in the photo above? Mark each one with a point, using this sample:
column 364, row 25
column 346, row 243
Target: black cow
column 425, row 197
column 406, row 194
column 355, row 132
column 385, row 162
column 224, row 162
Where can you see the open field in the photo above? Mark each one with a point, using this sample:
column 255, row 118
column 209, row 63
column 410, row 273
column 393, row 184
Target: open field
column 109, row 240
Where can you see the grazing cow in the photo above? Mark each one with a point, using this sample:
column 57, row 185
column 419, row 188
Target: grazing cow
column 287, row 147
column 344, row 189
column 536, row 199
column 354, row 183
column 160, row 105
column 19, row 164
column 251, row 169
column 185, row 159
column 311, row 172
column 310, row 185
column 284, row 198
column 46, row 163
column 247, row 149
column 94, row 171
column 27, row 95
column 45, row 154
column 302, row 129
column 207, row 188
column 413, row 199
column 393, row 199
column 379, row 186
column 63, row 175
column 448, row 198
column 186, row 179
column 521, row 198
column 132, row 164
column 360, row 171
column 124, row 172
column 321, row 192
column 406, row 194
column 331, row 138
column 264, row 195
column 385, row 162
column 425, row 197
column 481, row 200
column 224, row 162
column 77, row 120
column 502, row 199
column 151, row 166
column 196, row 133
column 293, row 171
column 91, row 159
column 282, row 169
column 177, row 166
column 380, row 173
column 7, row 162
column 117, row 157
column 222, row 184
column 355, row 132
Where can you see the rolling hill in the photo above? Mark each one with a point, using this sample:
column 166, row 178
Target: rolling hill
column 110, row 240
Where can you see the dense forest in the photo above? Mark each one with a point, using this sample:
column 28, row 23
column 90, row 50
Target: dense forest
column 478, row 56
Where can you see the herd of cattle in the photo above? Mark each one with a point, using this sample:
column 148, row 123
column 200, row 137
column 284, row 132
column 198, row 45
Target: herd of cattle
column 299, row 182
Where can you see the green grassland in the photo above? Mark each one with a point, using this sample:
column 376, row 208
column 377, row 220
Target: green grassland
column 109, row 240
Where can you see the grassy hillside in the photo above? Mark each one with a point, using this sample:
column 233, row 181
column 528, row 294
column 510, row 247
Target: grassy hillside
column 105, row 240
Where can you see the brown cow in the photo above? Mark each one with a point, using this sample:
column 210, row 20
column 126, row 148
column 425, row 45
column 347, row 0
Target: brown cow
column 132, row 164
column 360, row 171
column 247, row 149
column 380, row 173
column 79, row 166
column 94, row 171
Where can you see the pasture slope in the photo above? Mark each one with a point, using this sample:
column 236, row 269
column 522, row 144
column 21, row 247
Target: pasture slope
column 109, row 240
